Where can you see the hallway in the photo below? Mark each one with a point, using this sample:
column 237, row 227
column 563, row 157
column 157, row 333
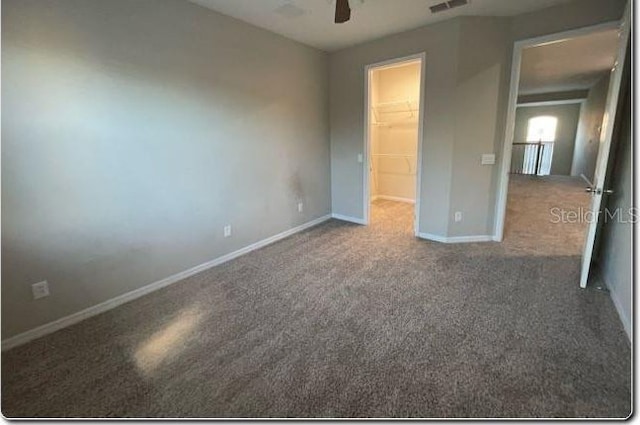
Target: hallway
column 534, row 224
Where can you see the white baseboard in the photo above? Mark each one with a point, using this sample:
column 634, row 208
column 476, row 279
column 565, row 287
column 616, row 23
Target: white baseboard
column 430, row 237
column 456, row 239
column 394, row 198
column 66, row 321
column 626, row 321
column 347, row 218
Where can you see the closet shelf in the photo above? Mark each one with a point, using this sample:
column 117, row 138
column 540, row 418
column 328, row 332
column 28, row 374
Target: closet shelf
column 398, row 112
column 412, row 121
column 407, row 159
column 395, row 155
column 397, row 106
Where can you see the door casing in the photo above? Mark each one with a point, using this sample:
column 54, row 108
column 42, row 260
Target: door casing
column 518, row 47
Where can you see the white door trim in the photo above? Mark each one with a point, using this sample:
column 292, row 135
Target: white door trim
column 518, row 46
column 366, row 149
column 551, row 103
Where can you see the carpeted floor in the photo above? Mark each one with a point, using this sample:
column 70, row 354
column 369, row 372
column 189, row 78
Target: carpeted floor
column 347, row 321
column 535, row 221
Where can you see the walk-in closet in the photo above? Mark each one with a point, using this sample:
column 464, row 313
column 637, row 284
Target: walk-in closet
column 393, row 133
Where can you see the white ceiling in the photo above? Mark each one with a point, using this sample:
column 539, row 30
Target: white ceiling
column 573, row 64
column 311, row 21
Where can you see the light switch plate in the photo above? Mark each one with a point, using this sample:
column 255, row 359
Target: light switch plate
column 488, row 159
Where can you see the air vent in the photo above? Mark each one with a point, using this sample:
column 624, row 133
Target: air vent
column 441, row 7
column 456, row 3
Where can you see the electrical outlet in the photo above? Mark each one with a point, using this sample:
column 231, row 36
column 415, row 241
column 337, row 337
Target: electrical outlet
column 227, row 230
column 360, row 158
column 300, row 207
column 40, row 289
column 457, row 217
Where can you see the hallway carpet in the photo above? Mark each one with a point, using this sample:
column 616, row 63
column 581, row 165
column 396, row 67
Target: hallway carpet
column 343, row 321
column 543, row 215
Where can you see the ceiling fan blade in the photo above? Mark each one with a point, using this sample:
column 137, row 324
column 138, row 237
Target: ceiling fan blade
column 343, row 11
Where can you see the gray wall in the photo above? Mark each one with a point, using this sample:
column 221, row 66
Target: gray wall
column 347, row 116
column 481, row 93
column 588, row 134
column 616, row 245
column 133, row 131
column 571, row 15
column 567, row 116
column 458, row 89
column 467, row 80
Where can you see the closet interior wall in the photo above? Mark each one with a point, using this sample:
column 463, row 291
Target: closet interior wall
column 394, row 132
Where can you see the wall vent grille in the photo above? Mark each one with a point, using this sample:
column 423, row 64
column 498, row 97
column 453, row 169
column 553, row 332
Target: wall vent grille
column 456, row 3
column 441, row 7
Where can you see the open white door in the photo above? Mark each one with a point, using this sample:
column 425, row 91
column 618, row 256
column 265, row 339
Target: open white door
column 611, row 108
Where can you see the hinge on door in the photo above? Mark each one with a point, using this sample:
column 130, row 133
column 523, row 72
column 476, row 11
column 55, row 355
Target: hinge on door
column 600, row 287
column 596, row 281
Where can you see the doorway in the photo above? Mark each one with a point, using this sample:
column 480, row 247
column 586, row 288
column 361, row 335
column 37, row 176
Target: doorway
column 393, row 138
column 562, row 108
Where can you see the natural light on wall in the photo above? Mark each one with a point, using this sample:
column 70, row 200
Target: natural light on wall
column 542, row 129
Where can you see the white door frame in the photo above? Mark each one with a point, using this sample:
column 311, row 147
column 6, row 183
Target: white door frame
column 518, row 47
column 421, row 57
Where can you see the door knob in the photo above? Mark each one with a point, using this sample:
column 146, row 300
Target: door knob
column 595, row 191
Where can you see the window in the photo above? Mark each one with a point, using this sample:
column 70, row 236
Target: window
column 542, row 129
column 537, row 153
